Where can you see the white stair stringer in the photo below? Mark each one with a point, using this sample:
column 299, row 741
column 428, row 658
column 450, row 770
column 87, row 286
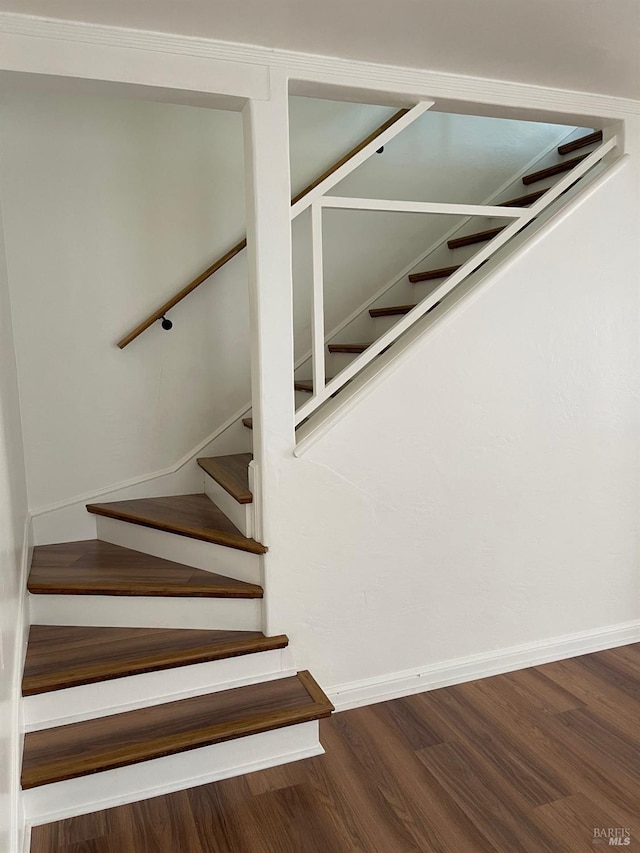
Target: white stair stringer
column 209, row 556
column 158, row 776
column 121, row 611
column 128, row 693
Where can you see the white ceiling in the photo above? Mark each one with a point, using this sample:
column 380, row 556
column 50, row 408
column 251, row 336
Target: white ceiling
column 584, row 45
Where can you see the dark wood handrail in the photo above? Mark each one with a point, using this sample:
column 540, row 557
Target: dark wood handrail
column 171, row 303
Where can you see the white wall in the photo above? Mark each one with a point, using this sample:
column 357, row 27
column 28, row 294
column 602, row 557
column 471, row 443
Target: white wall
column 440, row 157
column 113, row 205
column 485, row 494
column 13, row 514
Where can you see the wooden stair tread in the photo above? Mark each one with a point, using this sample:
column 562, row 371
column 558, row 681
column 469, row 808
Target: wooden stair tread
column 91, row 746
column 187, row 515
column 523, row 200
column 248, row 422
column 232, row 473
column 550, row 171
column 67, row 656
column 390, row 310
column 582, row 142
column 478, row 237
column 349, row 348
column 93, row 567
column 428, row 275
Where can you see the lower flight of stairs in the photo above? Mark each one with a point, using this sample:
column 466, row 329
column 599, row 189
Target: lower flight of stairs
column 146, row 674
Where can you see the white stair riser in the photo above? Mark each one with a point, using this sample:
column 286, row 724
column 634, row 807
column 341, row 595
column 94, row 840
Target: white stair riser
column 241, row 614
column 60, row 707
column 240, row 565
column 239, row 514
column 160, row 776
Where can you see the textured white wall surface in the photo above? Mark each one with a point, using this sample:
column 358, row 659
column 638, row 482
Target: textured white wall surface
column 112, row 205
column 485, row 494
column 13, row 511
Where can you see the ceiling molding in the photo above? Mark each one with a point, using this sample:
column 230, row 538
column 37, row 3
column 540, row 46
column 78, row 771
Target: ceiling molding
column 332, row 70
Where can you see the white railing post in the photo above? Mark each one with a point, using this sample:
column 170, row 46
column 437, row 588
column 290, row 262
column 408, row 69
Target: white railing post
column 268, row 200
column 317, row 305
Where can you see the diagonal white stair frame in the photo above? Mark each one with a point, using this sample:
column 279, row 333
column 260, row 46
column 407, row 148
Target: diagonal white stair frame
column 521, row 217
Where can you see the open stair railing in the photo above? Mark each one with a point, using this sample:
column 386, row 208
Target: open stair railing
column 376, row 140
column 318, row 201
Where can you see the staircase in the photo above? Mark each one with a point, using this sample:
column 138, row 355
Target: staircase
column 147, row 670
column 145, row 675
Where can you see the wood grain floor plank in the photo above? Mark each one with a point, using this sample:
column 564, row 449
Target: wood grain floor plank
column 579, row 772
column 221, row 814
column 162, row 825
column 443, row 826
column 572, row 822
column 532, row 781
column 482, row 795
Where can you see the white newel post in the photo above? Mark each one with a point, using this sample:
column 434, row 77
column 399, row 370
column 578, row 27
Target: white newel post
column 268, row 197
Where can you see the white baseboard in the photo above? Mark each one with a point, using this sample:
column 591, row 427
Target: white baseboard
column 457, row 671
column 160, row 776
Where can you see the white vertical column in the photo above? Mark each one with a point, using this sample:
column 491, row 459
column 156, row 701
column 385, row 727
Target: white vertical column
column 317, row 319
column 268, row 200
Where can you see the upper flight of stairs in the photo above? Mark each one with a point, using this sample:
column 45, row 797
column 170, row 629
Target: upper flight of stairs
column 144, row 674
column 385, row 314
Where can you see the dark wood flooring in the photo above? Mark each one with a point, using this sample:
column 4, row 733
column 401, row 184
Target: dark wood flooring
column 530, row 761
